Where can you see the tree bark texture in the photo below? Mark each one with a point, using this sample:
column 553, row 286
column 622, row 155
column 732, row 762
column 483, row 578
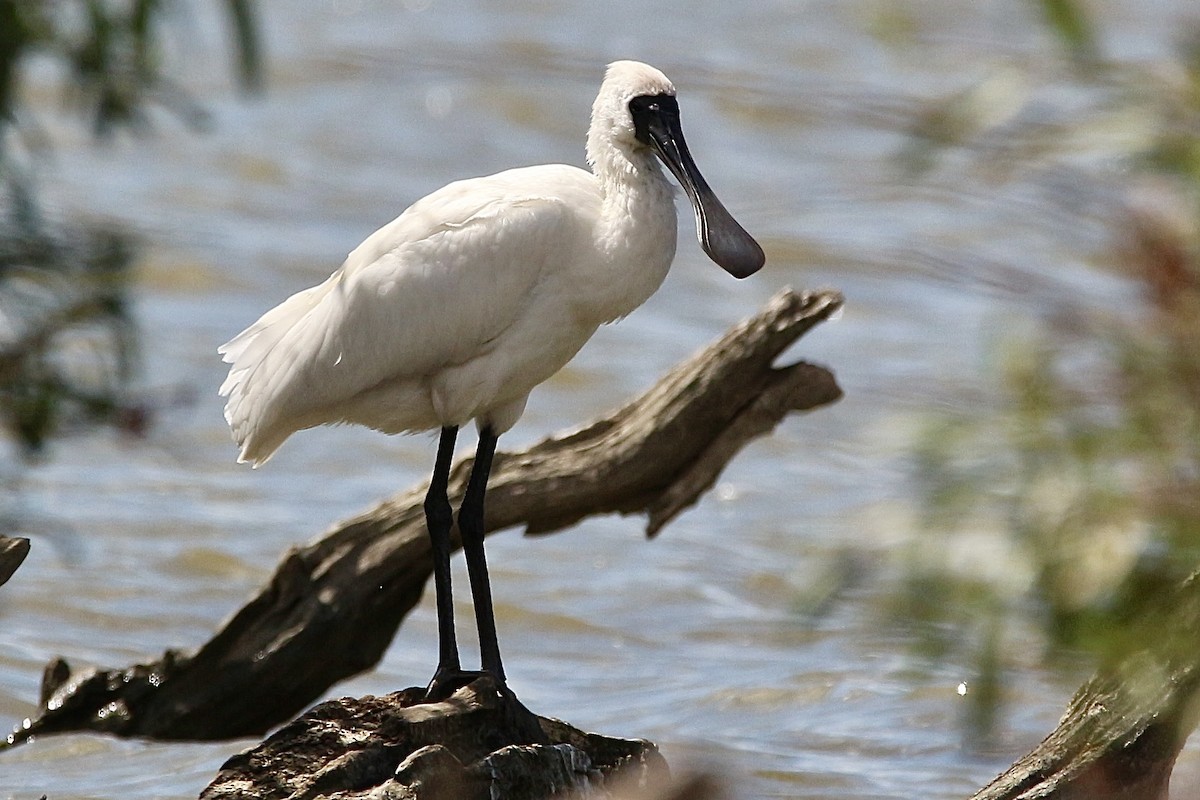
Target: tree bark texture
column 13, row 550
column 1124, row 728
column 333, row 606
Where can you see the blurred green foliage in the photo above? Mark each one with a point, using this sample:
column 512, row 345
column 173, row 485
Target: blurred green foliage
column 1075, row 502
column 67, row 340
column 1069, row 21
column 68, row 352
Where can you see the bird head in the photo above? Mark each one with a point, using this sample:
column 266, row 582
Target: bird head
column 635, row 111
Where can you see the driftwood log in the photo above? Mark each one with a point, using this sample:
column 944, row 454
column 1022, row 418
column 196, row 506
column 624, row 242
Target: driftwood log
column 1124, row 728
column 13, row 550
column 333, row 606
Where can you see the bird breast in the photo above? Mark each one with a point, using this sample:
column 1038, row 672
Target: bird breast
column 461, row 305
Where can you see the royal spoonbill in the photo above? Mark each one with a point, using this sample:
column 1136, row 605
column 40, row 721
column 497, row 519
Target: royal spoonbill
column 474, row 295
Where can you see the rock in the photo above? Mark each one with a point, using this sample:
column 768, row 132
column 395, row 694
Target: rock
column 479, row 744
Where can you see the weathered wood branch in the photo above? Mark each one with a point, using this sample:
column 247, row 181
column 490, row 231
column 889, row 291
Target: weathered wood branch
column 333, row 606
column 13, row 550
column 1124, row 728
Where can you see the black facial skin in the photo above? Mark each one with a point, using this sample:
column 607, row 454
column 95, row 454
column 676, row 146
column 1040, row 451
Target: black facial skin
column 656, row 125
column 645, row 106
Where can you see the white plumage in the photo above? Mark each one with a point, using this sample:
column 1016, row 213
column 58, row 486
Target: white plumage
column 480, row 291
column 474, row 295
column 452, row 312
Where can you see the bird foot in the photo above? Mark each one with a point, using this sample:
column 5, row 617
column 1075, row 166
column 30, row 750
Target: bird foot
column 448, row 681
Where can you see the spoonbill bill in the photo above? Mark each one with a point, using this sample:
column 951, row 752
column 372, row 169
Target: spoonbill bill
column 477, row 293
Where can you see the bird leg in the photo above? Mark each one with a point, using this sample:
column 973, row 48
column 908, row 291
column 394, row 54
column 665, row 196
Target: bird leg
column 439, row 517
column 470, row 525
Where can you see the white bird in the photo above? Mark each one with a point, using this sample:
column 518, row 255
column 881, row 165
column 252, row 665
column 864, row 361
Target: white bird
column 477, row 293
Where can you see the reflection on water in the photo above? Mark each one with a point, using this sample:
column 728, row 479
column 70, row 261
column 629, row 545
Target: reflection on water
column 702, row 640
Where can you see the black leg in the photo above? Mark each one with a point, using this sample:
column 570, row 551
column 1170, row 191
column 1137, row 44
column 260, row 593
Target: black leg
column 439, row 517
column 470, row 525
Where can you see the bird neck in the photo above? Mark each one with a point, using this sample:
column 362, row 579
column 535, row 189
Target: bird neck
column 619, row 167
column 636, row 230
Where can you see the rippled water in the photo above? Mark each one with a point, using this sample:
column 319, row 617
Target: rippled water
column 796, row 113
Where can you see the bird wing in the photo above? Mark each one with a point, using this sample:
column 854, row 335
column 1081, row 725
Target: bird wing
column 431, row 289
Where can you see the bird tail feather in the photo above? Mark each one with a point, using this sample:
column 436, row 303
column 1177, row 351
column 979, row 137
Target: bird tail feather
column 257, row 371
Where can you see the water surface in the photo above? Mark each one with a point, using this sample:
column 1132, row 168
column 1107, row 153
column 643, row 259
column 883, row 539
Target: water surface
column 796, row 112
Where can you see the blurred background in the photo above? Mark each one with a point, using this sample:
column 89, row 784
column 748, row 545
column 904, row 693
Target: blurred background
column 891, row 597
